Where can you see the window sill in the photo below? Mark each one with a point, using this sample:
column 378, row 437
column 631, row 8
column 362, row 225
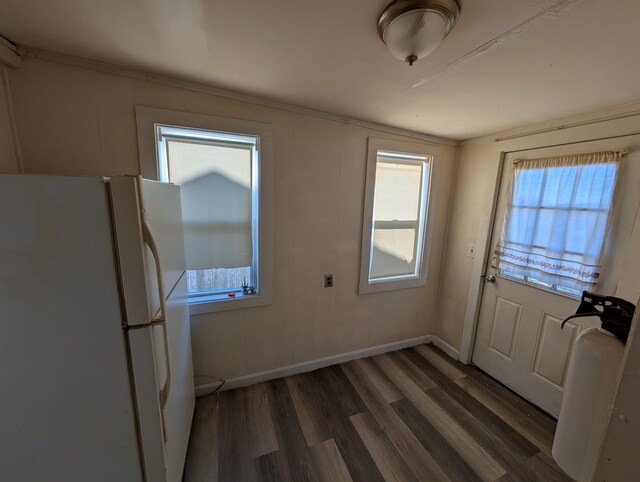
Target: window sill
column 392, row 284
column 215, row 303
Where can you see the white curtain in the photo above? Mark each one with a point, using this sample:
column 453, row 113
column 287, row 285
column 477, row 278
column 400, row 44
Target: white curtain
column 557, row 219
column 215, row 186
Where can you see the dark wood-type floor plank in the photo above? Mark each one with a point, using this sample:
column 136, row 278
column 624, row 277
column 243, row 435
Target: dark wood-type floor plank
column 332, row 405
column 202, row 462
column 515, row 403
column 329, row 463
column 387, row 458
column 262, row 437
column 235, row 460
column 272, row 468
column 415, row 414
column 504, row 432
column 535, row 433
column 416, row 457
column 452, row 430
column 446, row 456
column 291, row 442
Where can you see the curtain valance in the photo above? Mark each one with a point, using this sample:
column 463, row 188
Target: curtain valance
column 571, row 160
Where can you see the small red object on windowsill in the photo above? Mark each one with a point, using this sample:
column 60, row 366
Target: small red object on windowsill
column 231, row 295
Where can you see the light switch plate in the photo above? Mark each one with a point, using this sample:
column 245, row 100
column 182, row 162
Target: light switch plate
column 471, row 250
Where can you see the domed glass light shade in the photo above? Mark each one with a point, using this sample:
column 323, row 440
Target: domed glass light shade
column 412, row 29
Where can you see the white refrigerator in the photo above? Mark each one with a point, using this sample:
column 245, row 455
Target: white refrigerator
column 96, row 379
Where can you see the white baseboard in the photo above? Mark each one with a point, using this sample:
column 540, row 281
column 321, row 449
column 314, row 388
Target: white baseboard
column 445, row 347
column 311, row 365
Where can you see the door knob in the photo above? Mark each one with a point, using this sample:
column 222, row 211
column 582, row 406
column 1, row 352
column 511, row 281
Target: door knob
column 489, row 279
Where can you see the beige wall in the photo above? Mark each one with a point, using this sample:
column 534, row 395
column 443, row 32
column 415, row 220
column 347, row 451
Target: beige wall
column 473, row 200
column 473, row 181
column 72, row 120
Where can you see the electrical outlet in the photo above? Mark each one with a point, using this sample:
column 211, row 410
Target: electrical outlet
column 471, row 250
column 328, row 281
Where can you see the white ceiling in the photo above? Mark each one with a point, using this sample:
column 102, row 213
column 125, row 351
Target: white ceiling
column 552, row 58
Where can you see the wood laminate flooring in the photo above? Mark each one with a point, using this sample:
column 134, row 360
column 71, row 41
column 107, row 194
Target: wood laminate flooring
column 409, row 415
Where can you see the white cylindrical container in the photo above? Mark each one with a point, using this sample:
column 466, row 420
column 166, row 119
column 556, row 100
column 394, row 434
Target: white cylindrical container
column 588, row 394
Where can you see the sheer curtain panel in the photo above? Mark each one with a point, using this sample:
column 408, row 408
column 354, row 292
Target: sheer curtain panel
column 557, row 219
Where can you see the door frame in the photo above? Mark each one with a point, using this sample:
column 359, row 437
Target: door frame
column 476, row 285
column 580, row 133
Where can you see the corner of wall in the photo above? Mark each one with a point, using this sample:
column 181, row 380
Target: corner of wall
column 10, row 156
column 445, row 251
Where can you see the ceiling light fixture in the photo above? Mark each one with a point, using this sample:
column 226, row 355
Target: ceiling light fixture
column 412, row 29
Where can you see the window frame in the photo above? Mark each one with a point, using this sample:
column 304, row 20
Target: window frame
column 148, row 120
column 424, row 220
column 221, row 139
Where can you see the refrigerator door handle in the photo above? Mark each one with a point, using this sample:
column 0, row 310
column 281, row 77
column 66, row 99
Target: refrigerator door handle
column 163, row 395
column 161, row 318
column 147, row 236
column 164, row 391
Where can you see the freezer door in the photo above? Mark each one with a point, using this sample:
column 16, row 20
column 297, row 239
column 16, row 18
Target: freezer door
column 140, row 295
column 162, row 213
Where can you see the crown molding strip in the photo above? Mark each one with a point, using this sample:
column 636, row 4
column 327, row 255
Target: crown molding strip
column 48, row 56
column 613, row 113
column 570, row 125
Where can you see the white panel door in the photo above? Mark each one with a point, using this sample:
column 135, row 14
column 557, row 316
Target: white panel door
column 519, row 340
column 520, row 343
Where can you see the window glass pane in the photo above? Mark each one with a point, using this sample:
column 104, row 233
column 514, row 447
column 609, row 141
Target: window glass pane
column 215, row 179
column 550, row 229
column 393, row 253
column 527, row 187
column 217, row 279
column 559, row 187
column 521, row 225
column 585, row 233
column 595, row 187
column 397, row 210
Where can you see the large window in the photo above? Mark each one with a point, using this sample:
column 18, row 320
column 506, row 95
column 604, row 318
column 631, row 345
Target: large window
column 557, row 220
column 395, row 219
column 224, row 168
column 218, row 177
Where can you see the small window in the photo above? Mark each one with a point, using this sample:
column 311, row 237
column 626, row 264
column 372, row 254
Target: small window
column 395, row 220
column 224, row 167
column 218, row 177
column 556, row 222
